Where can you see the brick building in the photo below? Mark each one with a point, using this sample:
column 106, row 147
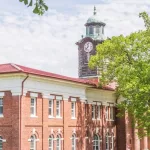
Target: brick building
column 41, row 110
column 45, row 111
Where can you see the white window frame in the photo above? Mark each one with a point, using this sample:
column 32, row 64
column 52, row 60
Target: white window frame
column 58, row 109
column 111, row 113
column 58, row 141
column 93, row 112
column 107, row 141
column 51, row 107
column 34, row 106
column 112, row 142
column 107, row 112
column 1, row 141
column 73, row 110
column 95, row 141
column 34, row 142
column 51, row 139
column 1, row 106
column 98, row 112
column 73, row 142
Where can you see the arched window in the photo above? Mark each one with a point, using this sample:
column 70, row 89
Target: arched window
column 73, row 142
column 107, row 141
column 51, row 142
column 58, row 142
column 112, row 142
column 91, row 30
column 1, row 143
column 96, row 142
column 33, row 142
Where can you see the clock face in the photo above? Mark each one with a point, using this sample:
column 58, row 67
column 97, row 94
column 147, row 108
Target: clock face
column 88, row 47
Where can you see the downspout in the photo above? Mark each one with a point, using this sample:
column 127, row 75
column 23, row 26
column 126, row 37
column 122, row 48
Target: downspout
column 42, row 122
column 63, row 124
column 20, row 103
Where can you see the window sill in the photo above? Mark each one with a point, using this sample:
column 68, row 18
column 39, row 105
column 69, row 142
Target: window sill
column 51, row 117
column 33, row 116
column 73, row 118
column 109, row 120
column 1, row 116
column 93, row 119
column 58, row 117
column 98, row 118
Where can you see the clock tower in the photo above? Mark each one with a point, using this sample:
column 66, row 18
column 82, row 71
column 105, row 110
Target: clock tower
column 87, row 45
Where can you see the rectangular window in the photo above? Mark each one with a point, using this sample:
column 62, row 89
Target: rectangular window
column 1, row 106
column 58, row 108
column 50, row 107
column 33, row 106
column 73, row 109
column 98, row 112
column 111, row 113
column 93, row 111
column 107, row 112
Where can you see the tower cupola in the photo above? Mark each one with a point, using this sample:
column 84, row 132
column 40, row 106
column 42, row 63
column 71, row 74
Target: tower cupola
column 95, row 27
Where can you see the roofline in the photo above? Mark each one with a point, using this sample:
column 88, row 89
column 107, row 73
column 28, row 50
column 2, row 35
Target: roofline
column 78, row 82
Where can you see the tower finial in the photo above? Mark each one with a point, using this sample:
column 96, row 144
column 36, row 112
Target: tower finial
column 94, row 10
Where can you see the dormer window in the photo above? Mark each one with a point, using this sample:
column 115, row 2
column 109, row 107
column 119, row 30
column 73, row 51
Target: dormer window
column 90, row 30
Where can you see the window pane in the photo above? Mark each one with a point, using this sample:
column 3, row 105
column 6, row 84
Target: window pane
column 1, row 109
column 96, row 142
column 1, row 143
column 51, row 143
column 33, row 143
column 93, row 111
column 73, row 109
column 57, row 108
column 51, row 107
column 90, row 30
column 58, row 143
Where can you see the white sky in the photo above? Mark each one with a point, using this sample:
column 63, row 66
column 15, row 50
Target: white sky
column 48, row 42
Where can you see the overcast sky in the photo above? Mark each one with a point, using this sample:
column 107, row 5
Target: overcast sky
column 48, row 42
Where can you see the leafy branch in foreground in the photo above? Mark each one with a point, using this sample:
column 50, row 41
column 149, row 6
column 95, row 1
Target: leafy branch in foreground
column 126, row 60
column 40, row 6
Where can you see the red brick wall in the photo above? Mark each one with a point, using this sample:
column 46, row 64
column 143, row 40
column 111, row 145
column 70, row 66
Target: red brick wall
column 9, row 124
column 42, row 126
column 121, row 134
column 66, row 125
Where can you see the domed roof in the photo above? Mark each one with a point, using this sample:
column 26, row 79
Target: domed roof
column 94, row 18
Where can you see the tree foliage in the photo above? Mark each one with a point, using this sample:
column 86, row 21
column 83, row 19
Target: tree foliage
column 126, row 60
column 39, row 6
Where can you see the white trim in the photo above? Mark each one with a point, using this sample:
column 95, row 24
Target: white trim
column 58, row 117
column 51, row 97
column 3, row 140
column 34, row 95
column 73, row 99
column 51, row 117
column 1, row 115
column 58, row 97
column 73, row 118
column 2, row 94
column 33, row 116
column 18, row 68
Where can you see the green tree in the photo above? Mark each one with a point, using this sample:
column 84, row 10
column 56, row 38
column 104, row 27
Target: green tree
column 39, row 6
column 126, row 60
